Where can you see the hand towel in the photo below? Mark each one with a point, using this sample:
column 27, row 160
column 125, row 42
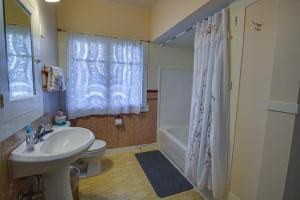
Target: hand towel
column 56, row 80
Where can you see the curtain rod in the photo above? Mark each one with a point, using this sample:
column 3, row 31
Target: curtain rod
column 14, row 24
column 184, row 32
column 178, row 35
column 62, row 30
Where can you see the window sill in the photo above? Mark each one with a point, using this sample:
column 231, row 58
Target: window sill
column 145, row 108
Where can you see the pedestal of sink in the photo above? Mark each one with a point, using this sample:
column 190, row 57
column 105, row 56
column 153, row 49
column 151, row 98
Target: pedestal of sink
column 57, row 185
column 52, row 158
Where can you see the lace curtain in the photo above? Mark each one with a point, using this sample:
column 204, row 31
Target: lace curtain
column 19, row 62
column 206, row 157
column 105, row 76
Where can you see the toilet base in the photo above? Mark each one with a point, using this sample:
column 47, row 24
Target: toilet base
column 90, row 162
column 92, row 167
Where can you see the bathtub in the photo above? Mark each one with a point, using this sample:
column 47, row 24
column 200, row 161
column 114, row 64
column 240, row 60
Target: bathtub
column 173, row 143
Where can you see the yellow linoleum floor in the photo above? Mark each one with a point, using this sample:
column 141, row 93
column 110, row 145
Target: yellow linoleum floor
column 123, row 179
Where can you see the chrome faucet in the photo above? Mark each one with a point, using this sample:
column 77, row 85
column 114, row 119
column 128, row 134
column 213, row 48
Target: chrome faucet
column 41, row 132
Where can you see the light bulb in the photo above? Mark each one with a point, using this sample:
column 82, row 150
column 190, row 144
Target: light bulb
column 52, row 1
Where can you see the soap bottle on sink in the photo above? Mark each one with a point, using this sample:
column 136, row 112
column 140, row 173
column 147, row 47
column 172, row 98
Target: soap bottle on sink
column 29, row 138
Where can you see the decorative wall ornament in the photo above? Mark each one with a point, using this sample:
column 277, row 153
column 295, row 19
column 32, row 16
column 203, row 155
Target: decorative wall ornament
column 257, row 26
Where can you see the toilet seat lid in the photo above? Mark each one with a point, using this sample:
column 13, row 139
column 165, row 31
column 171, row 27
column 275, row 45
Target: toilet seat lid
column 97, row 145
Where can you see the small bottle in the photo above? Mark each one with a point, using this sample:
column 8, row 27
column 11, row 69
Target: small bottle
column 29, row 138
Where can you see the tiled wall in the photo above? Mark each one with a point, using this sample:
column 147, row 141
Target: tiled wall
column 5, row 148
column 136, row 129
column 9, row 188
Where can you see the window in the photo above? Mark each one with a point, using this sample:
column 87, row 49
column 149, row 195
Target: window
column 19, row 62
column 105, row 76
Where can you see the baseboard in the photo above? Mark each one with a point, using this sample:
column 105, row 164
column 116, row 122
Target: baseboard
column 232, row 196
column 131, row 149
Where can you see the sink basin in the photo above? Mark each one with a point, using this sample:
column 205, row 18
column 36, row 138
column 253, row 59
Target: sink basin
column 51, row 159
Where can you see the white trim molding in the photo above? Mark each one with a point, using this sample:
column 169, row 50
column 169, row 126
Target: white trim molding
column 232, row 196
column 132, row 149
column 284, row 107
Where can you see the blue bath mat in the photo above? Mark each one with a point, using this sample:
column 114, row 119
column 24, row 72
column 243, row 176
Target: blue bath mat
column 164, row 177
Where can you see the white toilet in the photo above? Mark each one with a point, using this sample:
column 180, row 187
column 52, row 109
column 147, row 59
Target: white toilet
column 89, row 162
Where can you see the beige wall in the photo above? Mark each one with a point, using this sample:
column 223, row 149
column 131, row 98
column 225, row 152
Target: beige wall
column 166, row 57
column 104, row 18
column 115, row 19
column 167, row 13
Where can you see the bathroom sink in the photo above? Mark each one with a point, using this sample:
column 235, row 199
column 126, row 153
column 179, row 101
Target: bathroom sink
column 51, row 159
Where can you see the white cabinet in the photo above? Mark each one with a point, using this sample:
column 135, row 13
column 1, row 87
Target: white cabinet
column 16, row 113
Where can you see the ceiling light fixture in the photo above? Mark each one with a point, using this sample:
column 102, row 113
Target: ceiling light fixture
column 52, row 1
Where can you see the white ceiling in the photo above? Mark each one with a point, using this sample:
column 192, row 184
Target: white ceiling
column 185, row 41
column 138, row 3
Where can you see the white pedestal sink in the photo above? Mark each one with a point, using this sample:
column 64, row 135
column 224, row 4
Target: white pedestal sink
column 51, row 158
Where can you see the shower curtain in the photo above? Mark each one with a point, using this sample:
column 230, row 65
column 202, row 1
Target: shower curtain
column 206, row 157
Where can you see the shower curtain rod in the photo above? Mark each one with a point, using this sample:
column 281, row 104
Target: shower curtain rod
column 62, row 30
column 178, row 35
column 184, row 32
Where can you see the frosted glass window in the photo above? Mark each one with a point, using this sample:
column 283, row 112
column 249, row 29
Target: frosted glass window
column 105, row 76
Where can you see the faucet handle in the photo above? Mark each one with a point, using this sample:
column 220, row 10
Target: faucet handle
column 39, row 130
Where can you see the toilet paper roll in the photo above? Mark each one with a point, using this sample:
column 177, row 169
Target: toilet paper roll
column 118, row 121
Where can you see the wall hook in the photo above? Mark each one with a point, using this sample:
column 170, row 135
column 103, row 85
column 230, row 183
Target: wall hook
column 257, row 26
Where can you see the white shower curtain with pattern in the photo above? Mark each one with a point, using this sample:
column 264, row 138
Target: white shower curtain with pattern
column 206, row 157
